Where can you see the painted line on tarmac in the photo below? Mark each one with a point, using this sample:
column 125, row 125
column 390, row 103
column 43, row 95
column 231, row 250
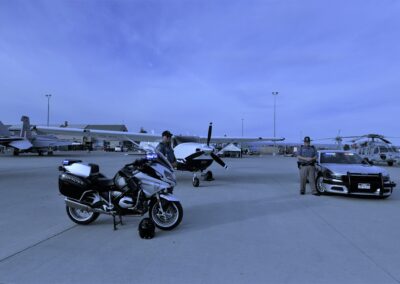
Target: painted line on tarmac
column 36, row 244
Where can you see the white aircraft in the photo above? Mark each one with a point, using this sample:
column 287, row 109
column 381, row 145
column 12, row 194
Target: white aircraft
column 193, row 154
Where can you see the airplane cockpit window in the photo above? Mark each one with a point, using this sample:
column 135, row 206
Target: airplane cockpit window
column 383, row 149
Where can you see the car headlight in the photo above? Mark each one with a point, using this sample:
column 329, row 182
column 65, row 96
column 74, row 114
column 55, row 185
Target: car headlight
column 332, row 175
column 386, row 178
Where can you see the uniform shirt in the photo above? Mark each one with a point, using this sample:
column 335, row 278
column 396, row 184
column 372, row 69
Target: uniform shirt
column 167, row 151
column 307, row 152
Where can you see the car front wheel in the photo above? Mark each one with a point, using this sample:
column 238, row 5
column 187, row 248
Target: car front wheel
column 320, row 184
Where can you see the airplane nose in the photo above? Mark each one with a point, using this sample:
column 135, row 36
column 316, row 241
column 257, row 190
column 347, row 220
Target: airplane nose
column 208, row 149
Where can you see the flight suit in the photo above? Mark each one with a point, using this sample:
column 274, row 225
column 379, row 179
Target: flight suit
column 307, row 169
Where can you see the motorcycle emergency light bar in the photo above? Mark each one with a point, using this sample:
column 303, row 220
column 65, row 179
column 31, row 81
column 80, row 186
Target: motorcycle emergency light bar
column 151, row 156
column 70, row 162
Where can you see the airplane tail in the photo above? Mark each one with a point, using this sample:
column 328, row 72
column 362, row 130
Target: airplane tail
column 26, row 127
column 4, row 131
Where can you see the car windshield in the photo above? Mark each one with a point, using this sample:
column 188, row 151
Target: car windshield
column 340, row 158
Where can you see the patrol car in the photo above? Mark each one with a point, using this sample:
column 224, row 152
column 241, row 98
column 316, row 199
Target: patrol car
column 345, row 172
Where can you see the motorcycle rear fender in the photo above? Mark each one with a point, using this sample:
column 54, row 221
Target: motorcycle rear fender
column 169, row 197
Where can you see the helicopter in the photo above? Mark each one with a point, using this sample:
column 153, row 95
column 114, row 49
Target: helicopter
column 375, row 148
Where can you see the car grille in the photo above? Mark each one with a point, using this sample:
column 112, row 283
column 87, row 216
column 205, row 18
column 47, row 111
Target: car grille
column 375, row 181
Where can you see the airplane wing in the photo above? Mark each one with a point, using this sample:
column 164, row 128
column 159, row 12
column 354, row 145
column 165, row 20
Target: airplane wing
column 10, row 141
column 142, row 137
column 240, row 139
column 103, row 134
column 21, row 144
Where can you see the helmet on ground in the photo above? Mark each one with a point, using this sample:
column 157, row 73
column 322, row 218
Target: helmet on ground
column 147, row 228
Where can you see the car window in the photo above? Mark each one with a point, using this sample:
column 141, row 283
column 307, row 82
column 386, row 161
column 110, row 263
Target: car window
column 340, row 158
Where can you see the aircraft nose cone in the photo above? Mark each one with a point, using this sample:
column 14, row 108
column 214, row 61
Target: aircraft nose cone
column 208, row 149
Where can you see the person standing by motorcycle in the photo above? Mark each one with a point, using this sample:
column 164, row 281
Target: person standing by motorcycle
column 307, row 157
column 165, row 147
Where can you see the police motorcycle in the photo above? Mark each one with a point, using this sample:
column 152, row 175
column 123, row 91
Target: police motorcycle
column 142, row 186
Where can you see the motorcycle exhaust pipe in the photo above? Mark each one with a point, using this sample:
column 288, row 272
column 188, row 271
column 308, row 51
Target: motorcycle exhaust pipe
column 77, row 205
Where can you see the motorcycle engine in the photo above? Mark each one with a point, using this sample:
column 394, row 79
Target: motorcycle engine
column 126, row 202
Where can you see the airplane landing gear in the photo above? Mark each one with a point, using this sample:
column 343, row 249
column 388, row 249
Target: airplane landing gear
column 15, row 152
column 208, row 176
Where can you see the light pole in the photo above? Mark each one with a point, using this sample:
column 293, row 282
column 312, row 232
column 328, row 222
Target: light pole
column 275, row 94
column 242, row 126
column 241, row 145
column 48, row 96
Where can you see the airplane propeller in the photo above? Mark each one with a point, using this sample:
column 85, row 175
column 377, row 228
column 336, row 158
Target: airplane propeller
column 209, row 151
column 219, row 160
column 209, row 134
column 195, row 155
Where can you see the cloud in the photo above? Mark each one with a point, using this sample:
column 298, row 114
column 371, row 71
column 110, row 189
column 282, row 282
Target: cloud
column 180, row 64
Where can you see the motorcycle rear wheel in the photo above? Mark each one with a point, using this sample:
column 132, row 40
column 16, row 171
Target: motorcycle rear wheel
column 81, row 217
column 172, row 217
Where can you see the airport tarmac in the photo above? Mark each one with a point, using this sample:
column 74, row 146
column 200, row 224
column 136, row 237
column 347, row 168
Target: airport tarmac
column 249, row 225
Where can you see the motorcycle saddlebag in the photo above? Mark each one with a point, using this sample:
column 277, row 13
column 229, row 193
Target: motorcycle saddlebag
column 72, row 186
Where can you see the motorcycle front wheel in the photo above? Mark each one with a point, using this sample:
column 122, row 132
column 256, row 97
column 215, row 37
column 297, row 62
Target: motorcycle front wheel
column 81, row 217
column 169, row 217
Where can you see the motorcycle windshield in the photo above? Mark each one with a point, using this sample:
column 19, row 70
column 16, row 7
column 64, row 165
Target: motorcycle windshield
column 164, row 161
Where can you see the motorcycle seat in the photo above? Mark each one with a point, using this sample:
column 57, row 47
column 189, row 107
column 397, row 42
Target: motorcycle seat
column 104, row 184
column 94, row 169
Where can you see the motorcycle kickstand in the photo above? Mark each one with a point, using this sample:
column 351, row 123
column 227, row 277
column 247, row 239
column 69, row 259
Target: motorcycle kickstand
column 117, row 223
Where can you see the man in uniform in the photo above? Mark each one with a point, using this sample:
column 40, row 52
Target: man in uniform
column 307, row 156
column 166, row 149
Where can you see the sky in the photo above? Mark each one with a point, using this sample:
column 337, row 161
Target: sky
column 180, row 64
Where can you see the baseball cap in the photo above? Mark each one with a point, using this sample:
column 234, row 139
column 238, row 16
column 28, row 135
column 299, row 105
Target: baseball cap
column 167, row 133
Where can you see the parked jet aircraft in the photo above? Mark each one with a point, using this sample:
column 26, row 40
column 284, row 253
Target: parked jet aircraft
column 193, row 154
column 29, row 142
